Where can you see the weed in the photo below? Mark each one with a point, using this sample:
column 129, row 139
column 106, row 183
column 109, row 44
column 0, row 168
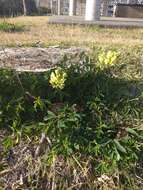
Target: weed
column 9, row 27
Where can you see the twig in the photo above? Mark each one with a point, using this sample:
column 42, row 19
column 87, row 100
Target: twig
column 43, row 141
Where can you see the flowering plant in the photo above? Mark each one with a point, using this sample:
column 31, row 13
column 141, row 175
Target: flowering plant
column 58, row 78
column 107, row 59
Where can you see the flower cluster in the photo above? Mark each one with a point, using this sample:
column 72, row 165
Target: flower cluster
column 107, row 59
column 58, row 78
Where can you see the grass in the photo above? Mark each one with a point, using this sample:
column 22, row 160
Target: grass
column 9, row 27
column 38, row 30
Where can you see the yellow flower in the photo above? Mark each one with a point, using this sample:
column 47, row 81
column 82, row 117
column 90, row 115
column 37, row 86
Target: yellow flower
column 58, row 78
column 107, row 59
column 101, row 57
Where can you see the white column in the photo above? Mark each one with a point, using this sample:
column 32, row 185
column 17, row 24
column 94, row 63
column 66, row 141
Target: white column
column 72, row 7
column 92, row 10
column 59, row 7
column 38, row 4
column 51, row 5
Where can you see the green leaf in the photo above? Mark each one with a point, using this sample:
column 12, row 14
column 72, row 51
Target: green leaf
column 76, row 146
column 61, row 124
column 50, row 115
column 119, row 146
column 132, row 131
column 7, row 143
column 118, row 157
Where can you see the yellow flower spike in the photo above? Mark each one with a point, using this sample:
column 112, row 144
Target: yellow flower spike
column 101, row 57
column 58, row 78
column 107, row 59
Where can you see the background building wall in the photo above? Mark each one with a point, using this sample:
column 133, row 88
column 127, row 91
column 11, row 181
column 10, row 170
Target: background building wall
column 132, row 11
column 15, row 7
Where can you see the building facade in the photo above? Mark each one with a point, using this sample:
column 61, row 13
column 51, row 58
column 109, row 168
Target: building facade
column 107, row 6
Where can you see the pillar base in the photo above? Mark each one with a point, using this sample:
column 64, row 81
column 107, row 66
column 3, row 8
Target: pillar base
column 72, row 7
column 92, row 10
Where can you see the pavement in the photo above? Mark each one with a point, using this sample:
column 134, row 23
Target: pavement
column 104, row 22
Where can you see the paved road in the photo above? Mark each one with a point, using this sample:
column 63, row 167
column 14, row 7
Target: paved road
column 105, row 21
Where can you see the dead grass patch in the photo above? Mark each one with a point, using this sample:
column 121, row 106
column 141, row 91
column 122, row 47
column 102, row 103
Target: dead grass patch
column 41, row 33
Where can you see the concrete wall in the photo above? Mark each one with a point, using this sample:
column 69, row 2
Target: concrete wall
column 131, row 11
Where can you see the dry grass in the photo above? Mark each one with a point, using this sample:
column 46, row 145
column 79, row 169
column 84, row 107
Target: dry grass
column 38, row 30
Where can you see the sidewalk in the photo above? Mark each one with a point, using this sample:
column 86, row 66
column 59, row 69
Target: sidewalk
column 105, row 21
